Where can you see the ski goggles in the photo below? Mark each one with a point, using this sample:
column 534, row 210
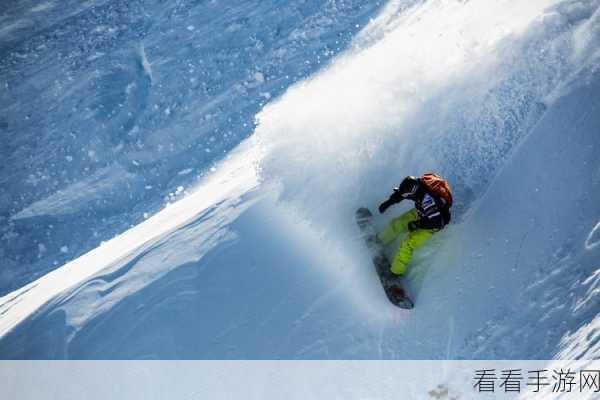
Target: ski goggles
column 411, row 192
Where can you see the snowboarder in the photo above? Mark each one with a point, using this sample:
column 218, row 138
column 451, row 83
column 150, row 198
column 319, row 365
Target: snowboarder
column 433, row 198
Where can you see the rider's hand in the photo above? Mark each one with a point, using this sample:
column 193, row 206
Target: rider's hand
column 384, row 206
column 396, row 196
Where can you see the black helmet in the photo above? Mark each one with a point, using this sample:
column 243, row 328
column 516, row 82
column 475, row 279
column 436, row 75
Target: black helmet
column 409, row 186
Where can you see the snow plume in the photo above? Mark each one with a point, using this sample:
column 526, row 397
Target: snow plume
column 448, row 86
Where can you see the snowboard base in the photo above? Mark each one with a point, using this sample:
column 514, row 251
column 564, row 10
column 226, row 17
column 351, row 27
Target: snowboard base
column 391, row 283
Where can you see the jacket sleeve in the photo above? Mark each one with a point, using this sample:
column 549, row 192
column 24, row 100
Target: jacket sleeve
column 395, row 197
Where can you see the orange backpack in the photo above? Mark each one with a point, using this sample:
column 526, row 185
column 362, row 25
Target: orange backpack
column 437, row 185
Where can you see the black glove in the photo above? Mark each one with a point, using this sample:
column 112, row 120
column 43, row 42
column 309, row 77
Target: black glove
column 395, row 198
column 384, row 206
column 413, row 226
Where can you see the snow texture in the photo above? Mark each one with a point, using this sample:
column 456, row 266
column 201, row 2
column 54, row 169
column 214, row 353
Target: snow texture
column 103, row 104
column 260, row 258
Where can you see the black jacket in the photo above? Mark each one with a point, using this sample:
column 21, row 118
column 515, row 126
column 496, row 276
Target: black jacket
column 433, row 210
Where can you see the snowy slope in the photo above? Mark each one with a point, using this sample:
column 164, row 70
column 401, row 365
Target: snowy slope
column 522, row 268
column 111, row 109
column 502, row 99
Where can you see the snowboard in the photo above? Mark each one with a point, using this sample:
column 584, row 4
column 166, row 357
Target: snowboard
column 391, row 283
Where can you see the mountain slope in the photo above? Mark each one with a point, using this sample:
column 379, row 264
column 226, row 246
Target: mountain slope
column 263, row 259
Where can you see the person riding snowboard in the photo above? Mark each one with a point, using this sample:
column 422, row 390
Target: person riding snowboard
column 433, row 198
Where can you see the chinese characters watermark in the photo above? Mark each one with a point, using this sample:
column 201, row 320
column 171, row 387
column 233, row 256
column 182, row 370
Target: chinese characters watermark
column 512, row 380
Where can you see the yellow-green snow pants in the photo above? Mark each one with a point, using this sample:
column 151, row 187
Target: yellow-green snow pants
column 414, row 240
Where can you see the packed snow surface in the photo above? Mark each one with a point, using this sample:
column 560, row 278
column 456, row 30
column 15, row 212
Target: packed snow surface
column 112, row 109
column 260, row 258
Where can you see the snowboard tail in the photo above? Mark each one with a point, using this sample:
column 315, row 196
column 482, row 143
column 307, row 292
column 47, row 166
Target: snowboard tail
column 391, row 283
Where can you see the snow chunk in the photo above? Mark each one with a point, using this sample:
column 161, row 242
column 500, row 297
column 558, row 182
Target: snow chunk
column 593, row 238
column 259, row 77
column 185, row 171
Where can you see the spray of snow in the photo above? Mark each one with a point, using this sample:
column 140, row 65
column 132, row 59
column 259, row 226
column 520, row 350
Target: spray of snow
column 451, row 86
column 447, row 86
column 422, row 97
